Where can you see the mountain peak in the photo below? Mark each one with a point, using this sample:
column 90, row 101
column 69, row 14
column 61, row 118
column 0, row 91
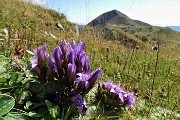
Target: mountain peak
column 116, row 12
column 115, row 17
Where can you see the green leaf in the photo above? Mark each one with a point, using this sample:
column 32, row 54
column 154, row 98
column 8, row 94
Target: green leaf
column 28, row 103
column 24, row 81
column 6, row 104
column 3, row 80
column 2, row 58
column 3, row 64
column 68, row 113
column 62, row 115
column 35, row 87
column 49, row 105
column 14, row 76
column 14, row 116
column 41, row 93
column 32, row 113
column 54, row 86
column 19, row 79
column 54, row 111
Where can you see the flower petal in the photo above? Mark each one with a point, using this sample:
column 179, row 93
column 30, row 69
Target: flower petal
column 95, row 75
column 57, row 55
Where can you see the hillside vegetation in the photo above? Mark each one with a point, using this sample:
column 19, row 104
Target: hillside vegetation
column 122, row 54
column 33, row 23
column 107, row 24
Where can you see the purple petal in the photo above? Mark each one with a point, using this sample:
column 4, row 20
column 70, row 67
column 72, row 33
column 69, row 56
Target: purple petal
column 94, row 76
column 87, row 66
column 36, row 51
column 130, row 99
column 50, row 65
column 57, row 55
column 82, row 77
column 74, row 91
column 71, row 57
column 86, row 84
column 38, row 71
column 119, row 90
column 73, row 44
column 80, row 97
column 79, row 79
column 50, row 62
column 108, row 85
column 80, row 107
column 41, row 53
column 81, row 46
column 34, row 62
column 74, row 99
column 64, row 46
column 121, row 97
column 81, row 61
column 112, row 90
column 78, row 102
column 71, row 71
column 29, row 66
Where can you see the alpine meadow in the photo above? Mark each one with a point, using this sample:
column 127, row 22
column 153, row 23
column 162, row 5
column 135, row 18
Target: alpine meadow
column 112, row 68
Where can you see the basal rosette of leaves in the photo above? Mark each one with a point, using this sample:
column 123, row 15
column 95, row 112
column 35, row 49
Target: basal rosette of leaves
column 113, row 98
column 63, row 79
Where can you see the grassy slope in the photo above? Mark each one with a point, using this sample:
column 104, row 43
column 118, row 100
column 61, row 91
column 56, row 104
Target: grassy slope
column 118, row 26
column 137, row 67
column 30, row 21
column 128, row 67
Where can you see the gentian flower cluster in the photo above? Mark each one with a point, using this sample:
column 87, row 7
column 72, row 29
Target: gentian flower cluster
column 69, row 66
column 109, row 91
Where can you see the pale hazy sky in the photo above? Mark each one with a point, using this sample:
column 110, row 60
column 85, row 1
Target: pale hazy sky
column 154, row 12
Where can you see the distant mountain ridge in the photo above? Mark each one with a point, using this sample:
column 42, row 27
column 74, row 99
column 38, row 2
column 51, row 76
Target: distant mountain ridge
column 176, row 28
column 116, row 18
column 80, row 25
column 114, row 25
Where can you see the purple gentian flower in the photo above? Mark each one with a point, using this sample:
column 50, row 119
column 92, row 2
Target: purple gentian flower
column 119, row 92
column 78, row 47
column 83, row 78
column 38, row 71
column 34, row 62
column 129, row 100
column 50, row 66
column 86, row 81
column 87, row 66
column 41, row 54
column 39, row 62
column 81, row 61
column 79, row 102
column 64, row 47
column 73, row 44
column 108, row 85
column 74, row 91
column 95, row 75
column 57, row 56
column 71, row 57
column 40, row 58
column 71, row 71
